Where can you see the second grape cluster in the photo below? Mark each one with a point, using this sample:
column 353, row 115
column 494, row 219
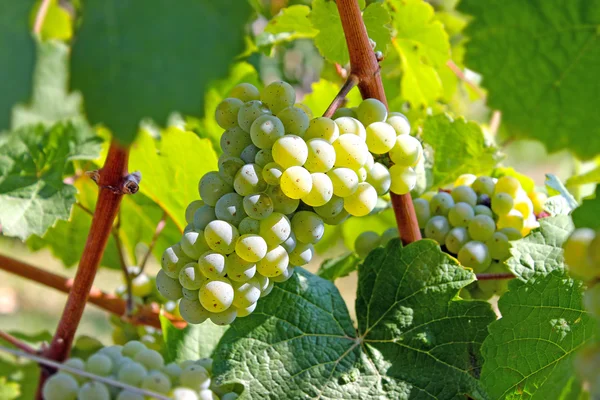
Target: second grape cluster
column 282, row 176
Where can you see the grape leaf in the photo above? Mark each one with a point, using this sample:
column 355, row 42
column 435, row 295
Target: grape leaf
column 331, row 41
column 33, row 160
column 540, row 252
column 592, row 176
column 192, row 342
column 459, row 147
column 323, row 92
column 339, row 267
column 57, row 23
column 171, row 169
column 539, row 62
column 422, row 47
column 586, row 215
column 290, row 24
column 554, row 184
column 300, row 341
column 17, row 52
column 529, row 352
column 138, row 59
column 50, row 101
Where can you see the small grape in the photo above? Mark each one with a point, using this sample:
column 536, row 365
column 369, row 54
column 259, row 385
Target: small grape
column 212, row 265
column 212, row 187
column 523, row 204
column 366, row 242
column 576, row 253
column 268, row 289
column 249, row 112
column 351, row 151
column 224, row 318
column 285, row 275
column 99, row 364
column 157, row 382
column 192, row 311
column 322, row 128
column 272, row 173
column 371, row 110
column 191, row 209
column 258, row 205
column 249, row 180
column 351, row 125
column 203, row 216
column 278, row 95
column 132, row 373
column 94, row 391
column 331, row 209
column 508, row 184
column 245, row 92
column 456, row 239
column 491, row 287
column 195, row 377
column 274, row 262
column 406, row 151
column 362, row 174
column 441, row 204
column 275, row 229
column 437, row 228
column 221, row 236
column 229, row 166
column 483, row 210
column 234, row 141
column 281, row 202
column 249, row 225
column 511, row 233
column 308, row 227
column 263, row 157
column 246, row 294
column 422, row 210
column 251, row 248
column 344, row 112
column 216, row 295
column 481, row 228
column 226, row 113
column 238, row 269
column 296, row 182
column 76, row 363
column 465, row 180
column 190, row 276
column 141, row 285
column 294, row 120
column 475, row 255
column 464, row 194
column 249, row 153
column 131, row 348
column 290, row 151
column 60, row 386
column 362, row 201
column 181, row 393
column 379, row 177
column 460, row 214
column 404, row 179
column 194, row 244
column 321, row 191
column 594, row 250
column 538, row 200
column 168, row 287
column 190, row 294
column 151, row 359
column 344, row 181
column 484, row 185
column 498, row 246
column 244, row 312
column 389, row 234
column 502, row 203
column 290, row 243
column 321, row 156
column 514, row 219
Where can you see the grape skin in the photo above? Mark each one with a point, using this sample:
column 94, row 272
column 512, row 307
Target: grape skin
column 321, row 191
column 460, row 214
column 404, row 179
column 371, row 110
column 278, row 95
column 322, row 128
column 258, row 205
column 351, row 125
column 351, row 151
column 366, row 242
column 273, row 263
column 344, row 181
column 226, row 113
column 245, row 92
column 308, row 227
column 406, row 151
column 294, row 120
column 422, row 210
column 399, row 122
column 290, row 151
column 251, row 248
column 192, row 311
column 321, row 156
column 60, row 386
column 216, row 295
column 249, row 112
column 481, row 227
column 296, row 182
column 212, row 265
column 362, row 201
column 168, row 287
column 437, row 228
column 475, row 255
column 380, row 178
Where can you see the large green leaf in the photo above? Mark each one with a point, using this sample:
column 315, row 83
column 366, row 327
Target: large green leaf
column 171, row 168
column 588, row 214
column 134, row 59
column 33, row 160
column 338, row 267
column 555, row 186
column 539, row 60
column 17, row 52
column 529, row 352
column 459, row 147
column 415, row 339
column 192, row 342
column 290, row 24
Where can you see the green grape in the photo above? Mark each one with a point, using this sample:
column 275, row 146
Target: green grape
column 127, row 395
column 321, row 156
column 251, row 248
column 141, row 285
column 362, row 201
column 194, row 244
column 406, row 151
column 192, row 311
column 263, row 282
column 268, row 289
column 352, row 126
column 188, row 228
column 249, row 225
column 230, row 208
column 351, row 151
column 294, row 120
column 76, row 363
column 216, row 295
column 263, row 157
column 399, row 122
column 190, row 294
column 404, row 179
column 212, row 265
column 591, row 300
column 191, row 209
column 258, row 205
column 460, row 214
column 514, row 219
column 223, row 318
column 286, row 275
column 226, row 113
column 366, row 242
column 322, row 128
column 437, row 228
column 481, row 228
column 238, row 269
column 379, row 177
column 275, row 229
column 441, row 204
column 278, row 95
column 290, row 243
column 221, row 236
column 332, row 208
column 465, row 180
column 207, row 363
column 249, row 180
column 132, row 373
column 370, row 162
column 245, row 92
column 296, row 182
column 456, row 239
column 362, row 174
column 290, row 151
column 190, row 276
column 464, row 194
column 282, row 203
column 389, row 234
column 60, row 386
column 246, row 293
column 244, row 312
column 321, row 191
column 203, row 216
column 576, row 253
column 484, row 185
column 423, row 211
column 157, row 382
column 509, row 185
column 212, row 187
column 498, row 246
column 272, row 173
column 266, row 130
column 273, row 263
column 344, row 112
column 229, row 166
column 511, row 233
column 344, row 181
column 336, row 219
column 371, row 110
column 538, row 199
column 483, row 210
column 308, row 227
column 249, row 154
column 93, row 391
column 195, row 377
column 181, row 393
column 491, row 287
column 502, row 203
column 99, row 364
column 475, row 255
column 167, row 286
column 234, row 140
column 131, row 348
column 249, row 112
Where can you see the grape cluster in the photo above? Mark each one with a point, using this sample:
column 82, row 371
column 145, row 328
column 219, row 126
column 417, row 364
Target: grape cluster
column 282, row 176
column 136, row 365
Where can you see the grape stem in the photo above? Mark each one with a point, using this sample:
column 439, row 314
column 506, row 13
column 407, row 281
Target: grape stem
column 75, row 371
column 492, row 276
column 340, row 98
column 7, row 337
column 159, row 228
column 364, row 65
column 41, row 16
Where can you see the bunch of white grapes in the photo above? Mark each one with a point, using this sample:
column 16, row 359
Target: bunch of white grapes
column 135, row 365
column 282, row 176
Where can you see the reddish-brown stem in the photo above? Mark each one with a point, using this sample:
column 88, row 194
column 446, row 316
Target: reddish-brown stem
column 339, row 99
column 495, row 122
column 364, row 64
column 40, row 16
column 492, row 276
column 7, row 337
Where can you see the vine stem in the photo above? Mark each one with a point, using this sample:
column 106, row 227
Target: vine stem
column 41, row 16
column 364, row 65
column 7, row 337
column 492, row 276
column 144, row 315
column 339, row 99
